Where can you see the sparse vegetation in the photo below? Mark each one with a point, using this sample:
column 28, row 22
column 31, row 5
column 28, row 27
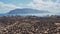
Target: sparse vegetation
column 29, row 25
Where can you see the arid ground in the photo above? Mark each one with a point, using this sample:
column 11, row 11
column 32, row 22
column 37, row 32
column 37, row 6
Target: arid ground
column 29, row 25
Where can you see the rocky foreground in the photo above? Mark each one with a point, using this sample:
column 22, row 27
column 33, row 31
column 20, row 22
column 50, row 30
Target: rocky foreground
column 29, row 25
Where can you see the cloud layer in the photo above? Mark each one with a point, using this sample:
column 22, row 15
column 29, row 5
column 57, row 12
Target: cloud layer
column 50, row 5
column 7, row 7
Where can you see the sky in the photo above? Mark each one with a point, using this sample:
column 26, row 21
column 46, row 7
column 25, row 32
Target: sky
column 52, row 6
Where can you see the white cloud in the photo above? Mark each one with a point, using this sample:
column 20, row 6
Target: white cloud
column 42, row 5
column 7, row 7
column 49, row 5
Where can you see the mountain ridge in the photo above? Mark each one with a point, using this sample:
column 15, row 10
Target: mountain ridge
column 27, row 11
